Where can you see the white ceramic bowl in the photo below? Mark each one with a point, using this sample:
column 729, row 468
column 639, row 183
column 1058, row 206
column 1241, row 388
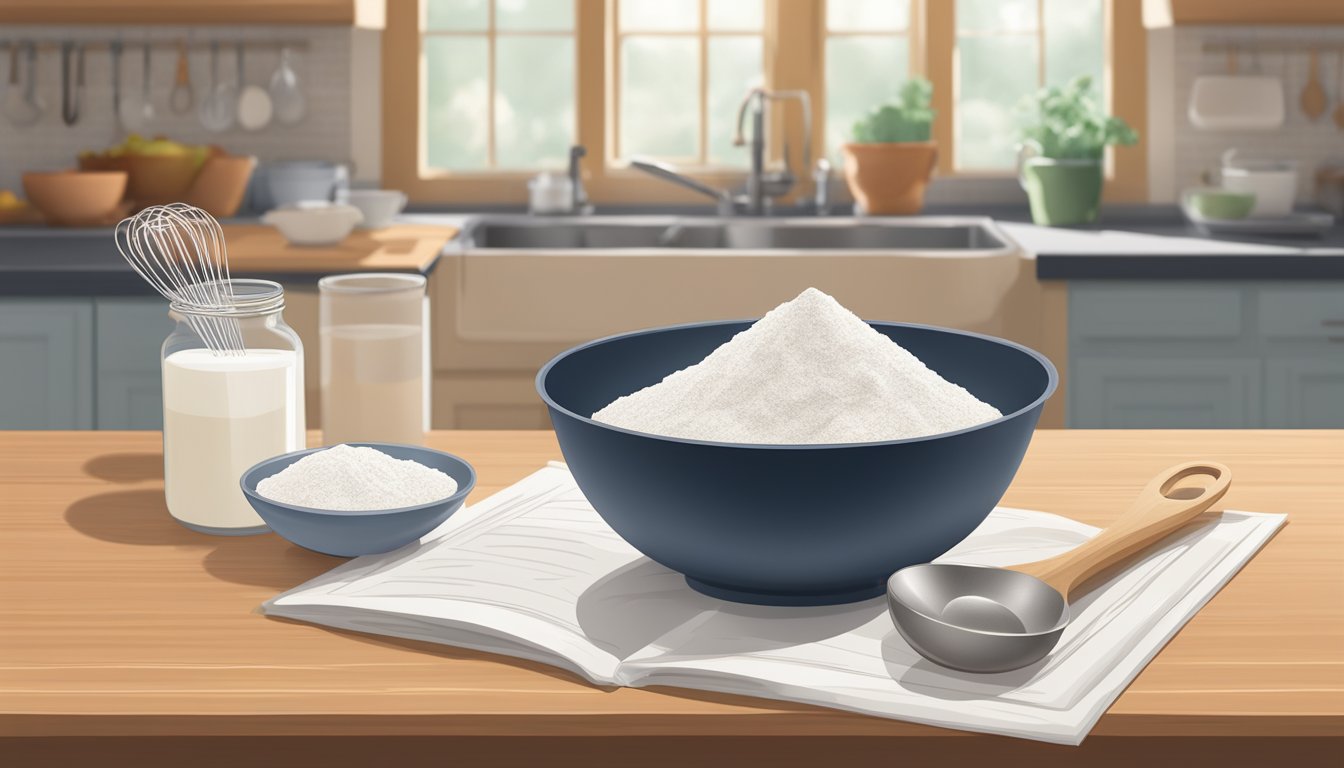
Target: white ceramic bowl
column 314, row 223
column 379, row 206
column 1273, row 182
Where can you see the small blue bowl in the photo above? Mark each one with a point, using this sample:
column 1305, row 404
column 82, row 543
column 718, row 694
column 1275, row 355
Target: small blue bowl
column 356, row 532
column 792, row 524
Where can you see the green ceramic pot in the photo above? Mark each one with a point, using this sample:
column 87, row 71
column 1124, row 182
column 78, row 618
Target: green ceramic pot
column 1062, row 192
column 1219, row 204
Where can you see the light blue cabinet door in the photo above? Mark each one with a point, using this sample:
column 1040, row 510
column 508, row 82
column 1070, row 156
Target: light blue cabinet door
column 46, row 364
column 130, row 333
column 1161, row 393
column 1305, row 393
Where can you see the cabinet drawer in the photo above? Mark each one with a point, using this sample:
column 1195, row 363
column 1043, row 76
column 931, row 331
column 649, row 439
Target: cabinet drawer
column 1154, row 311
column 1149, row 393
column 129, row 337
column 1304, row 393
column 46, row 377
column 1304, row 313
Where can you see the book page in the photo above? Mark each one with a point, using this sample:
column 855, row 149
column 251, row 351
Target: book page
column 852, row 657
column 505, row 575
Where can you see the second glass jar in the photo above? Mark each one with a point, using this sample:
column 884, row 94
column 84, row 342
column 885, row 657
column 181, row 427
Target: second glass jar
column 375, row 358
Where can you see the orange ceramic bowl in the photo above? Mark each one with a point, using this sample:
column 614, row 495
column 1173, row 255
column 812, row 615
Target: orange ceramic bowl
column 221, row 184
column 76, row 198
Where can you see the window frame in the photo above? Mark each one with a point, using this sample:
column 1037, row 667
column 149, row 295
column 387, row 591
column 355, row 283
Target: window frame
column 702, row 35
column 793, row 27
column 491, row 35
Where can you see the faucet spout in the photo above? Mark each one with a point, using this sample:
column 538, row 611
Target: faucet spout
column 722, row 199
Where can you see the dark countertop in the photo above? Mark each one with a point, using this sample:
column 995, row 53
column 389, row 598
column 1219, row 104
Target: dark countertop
column 1128, row 242
column 43, row 261
column 1157, row 243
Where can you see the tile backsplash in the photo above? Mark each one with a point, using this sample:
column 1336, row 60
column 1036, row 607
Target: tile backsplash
column 323, row 69
column 1301, row 139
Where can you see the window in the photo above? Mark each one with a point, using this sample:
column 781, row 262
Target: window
column 499, row 83
column 478, row 95
column 867, row 59
column 1006, row 49
column 682, row 67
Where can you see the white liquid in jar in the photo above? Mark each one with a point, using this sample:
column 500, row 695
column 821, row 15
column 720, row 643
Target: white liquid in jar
column 373, row 384
column 221, row 415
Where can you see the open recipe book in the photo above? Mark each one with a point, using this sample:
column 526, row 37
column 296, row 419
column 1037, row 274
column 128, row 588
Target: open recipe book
column 534, row 572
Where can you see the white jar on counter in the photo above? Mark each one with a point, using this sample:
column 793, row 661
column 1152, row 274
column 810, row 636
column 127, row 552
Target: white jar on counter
column 225, row 411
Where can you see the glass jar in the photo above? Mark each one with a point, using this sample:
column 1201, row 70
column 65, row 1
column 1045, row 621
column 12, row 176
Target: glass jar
column 225, row 411
column 375, row 358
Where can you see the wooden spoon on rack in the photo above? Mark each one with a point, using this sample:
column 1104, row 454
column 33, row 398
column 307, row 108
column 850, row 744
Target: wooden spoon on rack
column 1313, row 93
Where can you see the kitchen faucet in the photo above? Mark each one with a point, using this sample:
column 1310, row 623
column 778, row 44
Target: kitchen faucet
column 578, row 196
column 762, row 186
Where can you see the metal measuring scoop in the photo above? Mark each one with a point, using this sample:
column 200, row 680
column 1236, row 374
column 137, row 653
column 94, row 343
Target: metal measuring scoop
column 997, row 619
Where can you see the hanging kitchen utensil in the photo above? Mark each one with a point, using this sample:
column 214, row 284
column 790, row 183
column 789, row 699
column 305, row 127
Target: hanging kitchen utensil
column 23, row 107
column 998, row 619
column 135, row 109
column 15, row 107
column 180, row 99
column 114, row 53
column 1233, row 101
column 72, row 65
column 147, row 107
column 254, row 104
column 221, row 100
column 1313, row 93
column 35, row 101
column 286, row 92
column 1339, row 86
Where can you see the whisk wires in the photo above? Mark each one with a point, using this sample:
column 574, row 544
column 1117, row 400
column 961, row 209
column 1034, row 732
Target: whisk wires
column 180, row 251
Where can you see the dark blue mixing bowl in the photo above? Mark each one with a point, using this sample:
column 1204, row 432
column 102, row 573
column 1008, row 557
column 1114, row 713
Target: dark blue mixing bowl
column 792, row 524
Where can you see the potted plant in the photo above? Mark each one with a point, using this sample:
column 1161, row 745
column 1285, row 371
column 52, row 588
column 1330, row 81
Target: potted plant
column 891, row 158
column 1060, row 158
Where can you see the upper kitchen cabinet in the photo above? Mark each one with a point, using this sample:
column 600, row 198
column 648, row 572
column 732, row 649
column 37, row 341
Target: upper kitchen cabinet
column 1166, row 13
column 366, row 14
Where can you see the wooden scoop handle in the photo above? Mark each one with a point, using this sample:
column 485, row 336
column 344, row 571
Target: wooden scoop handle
column 1154, row 515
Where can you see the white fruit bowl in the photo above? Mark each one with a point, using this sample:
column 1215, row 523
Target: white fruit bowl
column 314, row 223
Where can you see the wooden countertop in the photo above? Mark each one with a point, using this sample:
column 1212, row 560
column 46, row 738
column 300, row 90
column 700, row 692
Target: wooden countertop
column 119, row 622
column 261, row 249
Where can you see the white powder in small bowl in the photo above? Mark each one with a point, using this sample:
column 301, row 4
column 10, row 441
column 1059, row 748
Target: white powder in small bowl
column 808, row 372
column 349, row 479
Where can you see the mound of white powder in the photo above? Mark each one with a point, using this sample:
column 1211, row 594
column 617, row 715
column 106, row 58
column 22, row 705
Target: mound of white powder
column 808, row 372
column 347, row 478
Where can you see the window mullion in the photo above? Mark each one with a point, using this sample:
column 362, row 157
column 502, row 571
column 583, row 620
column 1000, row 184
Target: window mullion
column 703, row 140
column 940, row 50
column 1040, row 43
column 491, row 159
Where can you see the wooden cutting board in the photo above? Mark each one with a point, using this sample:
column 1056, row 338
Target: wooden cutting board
column 260, row 249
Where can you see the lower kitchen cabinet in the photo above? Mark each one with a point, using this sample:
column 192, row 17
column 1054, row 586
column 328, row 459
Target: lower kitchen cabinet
column 81, row 363
column 46, row 364
column 129, row 334
column 1211, row 355
column 1155, row 393
column 1305, row 393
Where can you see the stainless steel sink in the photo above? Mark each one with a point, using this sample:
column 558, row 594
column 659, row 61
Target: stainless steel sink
column 917, row 234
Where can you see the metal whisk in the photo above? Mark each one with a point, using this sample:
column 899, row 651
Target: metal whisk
column 179, row 250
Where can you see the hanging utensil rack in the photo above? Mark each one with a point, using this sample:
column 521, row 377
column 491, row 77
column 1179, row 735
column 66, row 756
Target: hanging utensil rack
column 1272, row 45
column 55, row 44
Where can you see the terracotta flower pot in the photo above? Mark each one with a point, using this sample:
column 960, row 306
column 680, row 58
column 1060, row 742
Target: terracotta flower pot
column 889, row 179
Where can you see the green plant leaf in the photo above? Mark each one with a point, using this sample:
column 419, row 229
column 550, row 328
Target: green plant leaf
column 1067, row 122
column 909, row 118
